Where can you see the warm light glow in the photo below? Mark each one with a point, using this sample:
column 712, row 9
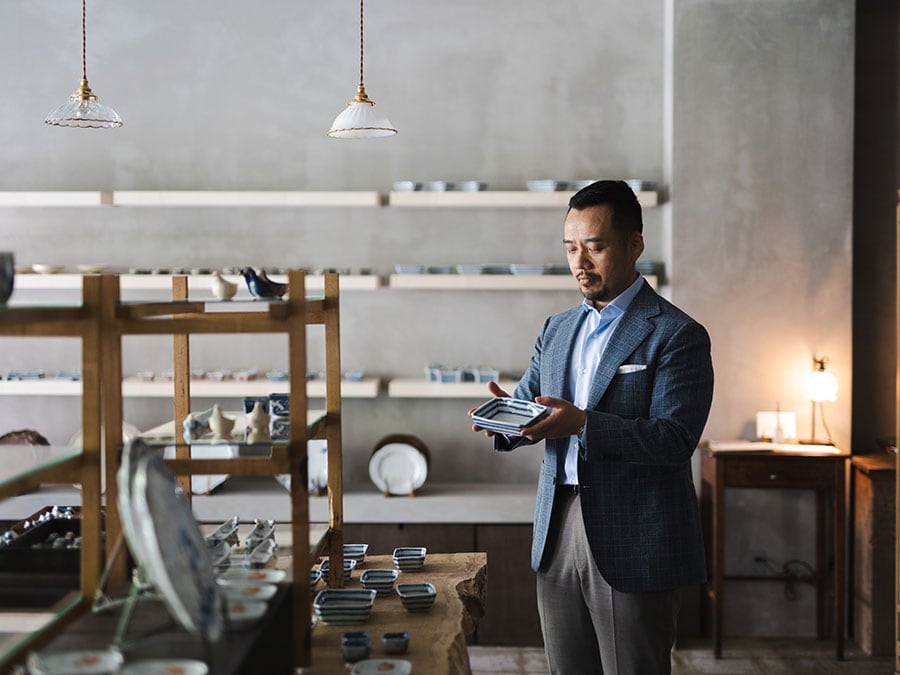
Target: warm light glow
column 821, row 384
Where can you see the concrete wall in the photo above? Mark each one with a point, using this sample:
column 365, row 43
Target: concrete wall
column 744, row 111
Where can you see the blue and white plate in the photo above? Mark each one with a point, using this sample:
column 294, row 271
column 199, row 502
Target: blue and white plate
column 508, row 415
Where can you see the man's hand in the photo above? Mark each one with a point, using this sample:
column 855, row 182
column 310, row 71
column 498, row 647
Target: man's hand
column 495, row 391
column 564, row 420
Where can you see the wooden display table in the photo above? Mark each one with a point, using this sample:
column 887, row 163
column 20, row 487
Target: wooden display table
column 437, row 639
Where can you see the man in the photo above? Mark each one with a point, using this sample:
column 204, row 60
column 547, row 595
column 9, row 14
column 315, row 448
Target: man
column 628, row 380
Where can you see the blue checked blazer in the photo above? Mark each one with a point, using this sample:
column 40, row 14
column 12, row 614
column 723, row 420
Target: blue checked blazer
column 644, row 421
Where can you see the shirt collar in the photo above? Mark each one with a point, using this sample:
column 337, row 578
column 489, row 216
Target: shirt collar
column 620, row 303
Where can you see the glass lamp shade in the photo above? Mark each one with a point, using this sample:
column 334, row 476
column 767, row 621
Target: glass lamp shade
column 821, row 386
column 360, row 120
column 83, row 109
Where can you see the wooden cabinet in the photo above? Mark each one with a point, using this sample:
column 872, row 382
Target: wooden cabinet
column 102, row 321
column 182, row 317
column 872, row 595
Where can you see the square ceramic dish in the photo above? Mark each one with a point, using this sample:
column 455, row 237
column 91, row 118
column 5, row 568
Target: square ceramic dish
column 325, row 565
column 508, row 415
column 355, row 552
column 417, row 597
column 380, row 581
column 409, row 558
column 343, row 605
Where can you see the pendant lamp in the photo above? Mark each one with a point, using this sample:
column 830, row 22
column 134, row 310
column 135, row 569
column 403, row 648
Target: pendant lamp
column 359, row 119
column 83, row 109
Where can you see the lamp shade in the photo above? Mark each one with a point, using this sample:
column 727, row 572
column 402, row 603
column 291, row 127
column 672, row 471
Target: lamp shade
column 821, row 386
column 360, row 120
column 84, row 110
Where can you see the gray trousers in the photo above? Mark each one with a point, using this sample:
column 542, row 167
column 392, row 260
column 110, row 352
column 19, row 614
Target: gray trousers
column 590, row 628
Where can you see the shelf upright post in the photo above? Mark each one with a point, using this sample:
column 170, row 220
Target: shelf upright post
column 297, row 453
column 181, row 369
column 92, row 544
column 111, row 399
column 333, row 438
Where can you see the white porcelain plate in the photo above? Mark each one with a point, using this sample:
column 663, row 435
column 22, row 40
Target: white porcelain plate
column 177, row 561
column 165, row 667
column 382, row 667
column 398, row 468
column 76, row 662
column 241, row 575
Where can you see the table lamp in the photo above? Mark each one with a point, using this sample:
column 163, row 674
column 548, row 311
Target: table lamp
column 821, row 386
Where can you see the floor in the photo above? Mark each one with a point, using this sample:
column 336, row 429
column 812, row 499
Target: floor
column 741, row 656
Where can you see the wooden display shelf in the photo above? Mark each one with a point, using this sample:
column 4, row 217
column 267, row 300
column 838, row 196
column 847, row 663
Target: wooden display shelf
column 497, row 198
column 196, row 282
column 490, row 282
column 67, row 198
column 232, row 198
column 133, row 387
column 422, row 388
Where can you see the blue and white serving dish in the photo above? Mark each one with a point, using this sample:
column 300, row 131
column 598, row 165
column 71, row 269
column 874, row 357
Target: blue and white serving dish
column 508, row 415
column 409, row 558
column 417, row 597
column 380, row 581
column 343, row 605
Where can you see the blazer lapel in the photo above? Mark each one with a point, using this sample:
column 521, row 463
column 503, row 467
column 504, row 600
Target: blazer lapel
column 632, row 330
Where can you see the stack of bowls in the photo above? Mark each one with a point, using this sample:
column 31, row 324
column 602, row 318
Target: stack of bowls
column 343, row 605
column 417, row 597
column 409, row 558
column 355, row 552
column 380, row 581
column 348, row 568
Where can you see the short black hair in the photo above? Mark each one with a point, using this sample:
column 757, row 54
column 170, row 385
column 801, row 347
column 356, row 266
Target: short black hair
column 619, row 197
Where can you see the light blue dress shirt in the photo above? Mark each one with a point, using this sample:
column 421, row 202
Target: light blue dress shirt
column 587, row 350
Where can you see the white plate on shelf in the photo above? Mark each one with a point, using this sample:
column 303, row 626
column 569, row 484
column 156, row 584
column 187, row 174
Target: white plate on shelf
column 398, row 468
column 177, row 561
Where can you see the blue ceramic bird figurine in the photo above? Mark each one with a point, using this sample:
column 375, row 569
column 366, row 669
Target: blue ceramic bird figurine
column 261, row 286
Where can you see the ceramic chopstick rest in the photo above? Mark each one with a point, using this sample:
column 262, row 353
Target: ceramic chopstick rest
column 222, row 288
column 219, row 424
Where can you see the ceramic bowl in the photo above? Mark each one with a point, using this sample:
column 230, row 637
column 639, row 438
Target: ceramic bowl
column 395, row 643
column 325, row 565
column 380, row 581
column 355, row 645
column 417, row 597
column 409, row 558
column 355, row 552
column 343, row 605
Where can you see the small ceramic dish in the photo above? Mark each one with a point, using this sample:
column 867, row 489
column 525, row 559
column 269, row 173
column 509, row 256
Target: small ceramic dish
column 240, row 575
column 380, row 581
column 508, row 415
column 355, row 552
column 91, row 268
column 78, row 661
column 247, row 591
column 417, row 597
column 409, row 558
column 325, row 565
column 40, row 268
column 381, row 666
column 395, row 643
column 165, row 667
column 355, row 645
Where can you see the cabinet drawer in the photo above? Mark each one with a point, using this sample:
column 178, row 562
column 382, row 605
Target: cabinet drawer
column 780, row 472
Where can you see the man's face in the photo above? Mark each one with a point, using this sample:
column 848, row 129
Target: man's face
column 600, row 257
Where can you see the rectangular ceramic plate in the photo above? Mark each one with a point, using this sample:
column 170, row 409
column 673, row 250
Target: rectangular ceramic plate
column 508, row 415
